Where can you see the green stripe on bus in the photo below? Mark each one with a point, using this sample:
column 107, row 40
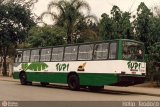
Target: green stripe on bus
column 91, row 79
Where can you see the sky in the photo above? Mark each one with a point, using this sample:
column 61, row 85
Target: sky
column 98, row 7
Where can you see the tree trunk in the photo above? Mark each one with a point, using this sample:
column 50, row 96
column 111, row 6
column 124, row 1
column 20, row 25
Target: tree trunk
column 4, row 72
column 69, row 32
column 69, row 39
column 5, row 52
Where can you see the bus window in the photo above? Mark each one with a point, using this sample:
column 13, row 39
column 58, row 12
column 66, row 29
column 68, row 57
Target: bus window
column 26, row 55
column 34, row 55
column 113, row 51
column 132, row 50
column 57, row 54
column 45, row 54
column 70, row 53
column 85, row 52
column 101, row 51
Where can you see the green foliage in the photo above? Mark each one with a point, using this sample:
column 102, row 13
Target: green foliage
column 144, row 24
column 153, row 68
column 105, row 27
column 116, row 26
column 46, row 36
column 16, row 21
column 155, row 30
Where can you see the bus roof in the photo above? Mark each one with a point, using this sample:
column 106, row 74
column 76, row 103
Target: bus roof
column 131, row 40
column 84, row 43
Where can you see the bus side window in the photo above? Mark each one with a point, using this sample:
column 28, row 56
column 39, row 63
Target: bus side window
column 70, row 53
column 101, row 51
column 34, row 55
column 113, row 51
column 85, row 52
column 45, row 54
column 26, row 56
column 57, row 54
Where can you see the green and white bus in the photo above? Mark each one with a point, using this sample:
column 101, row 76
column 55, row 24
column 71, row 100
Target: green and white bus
column 91, row 65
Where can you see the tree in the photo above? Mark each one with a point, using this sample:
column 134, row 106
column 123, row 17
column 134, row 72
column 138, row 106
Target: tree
column 126, row 26
column 155, row 30
column 16, row 21
column 46, row 36
column 121, row 23
column 116, row 26
column 70, row 15
column 105, row 27
column 116, row 15
column 144, row 25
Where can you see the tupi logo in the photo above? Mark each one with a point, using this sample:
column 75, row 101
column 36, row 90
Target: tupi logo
column 134, row 66
column 62, row 67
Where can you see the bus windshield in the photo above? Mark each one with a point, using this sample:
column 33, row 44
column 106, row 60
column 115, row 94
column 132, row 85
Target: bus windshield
column 132, row 51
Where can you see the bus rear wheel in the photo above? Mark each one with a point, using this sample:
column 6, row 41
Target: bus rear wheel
column 73, row 82
column 23, row 78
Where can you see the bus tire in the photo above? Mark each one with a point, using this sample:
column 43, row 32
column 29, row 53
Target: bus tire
column 95, row 88
column 23, row 78
column 44, row 84
column 73, row 82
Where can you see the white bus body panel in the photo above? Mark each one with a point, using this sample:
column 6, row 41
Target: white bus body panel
column 105, row 66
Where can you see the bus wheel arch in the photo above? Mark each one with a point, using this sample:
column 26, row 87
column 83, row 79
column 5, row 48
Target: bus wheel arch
column 23, row 78
column 73, row 81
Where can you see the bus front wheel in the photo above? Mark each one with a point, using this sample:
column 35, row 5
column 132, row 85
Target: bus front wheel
column 73, row 82
column 23, row 78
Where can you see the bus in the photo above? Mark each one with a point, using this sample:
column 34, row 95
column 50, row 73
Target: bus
column 88, row 65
